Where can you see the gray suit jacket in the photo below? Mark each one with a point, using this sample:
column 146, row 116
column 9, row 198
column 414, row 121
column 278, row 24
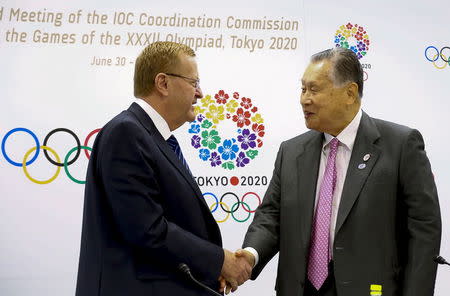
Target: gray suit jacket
column 388, row 226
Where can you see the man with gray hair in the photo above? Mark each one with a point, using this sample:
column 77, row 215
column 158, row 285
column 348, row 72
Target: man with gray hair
column 352, row 206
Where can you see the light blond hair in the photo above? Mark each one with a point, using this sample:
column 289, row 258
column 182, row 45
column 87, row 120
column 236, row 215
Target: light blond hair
column 158, row 57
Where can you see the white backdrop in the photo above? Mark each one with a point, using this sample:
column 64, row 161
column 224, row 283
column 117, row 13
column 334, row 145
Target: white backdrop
column 47, row 84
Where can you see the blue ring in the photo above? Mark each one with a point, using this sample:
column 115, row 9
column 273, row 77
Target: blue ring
column 437, row 53
column 20, row 129
column 217, row 200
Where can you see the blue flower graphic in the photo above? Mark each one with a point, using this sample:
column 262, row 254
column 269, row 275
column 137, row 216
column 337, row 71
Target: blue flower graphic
column 195, row 128
column 228, row 150
column 204, row 154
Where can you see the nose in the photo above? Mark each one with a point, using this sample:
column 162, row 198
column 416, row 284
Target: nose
column 198, row 92
column 305, row 99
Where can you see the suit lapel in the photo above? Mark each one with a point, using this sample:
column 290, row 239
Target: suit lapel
column 308, row 169
column 356, row 176
column 166, row 150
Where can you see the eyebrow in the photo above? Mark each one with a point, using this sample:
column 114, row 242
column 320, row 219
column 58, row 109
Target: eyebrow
column 309, row 83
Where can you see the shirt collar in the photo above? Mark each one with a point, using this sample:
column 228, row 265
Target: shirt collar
column 348, row 134
column 160, row 124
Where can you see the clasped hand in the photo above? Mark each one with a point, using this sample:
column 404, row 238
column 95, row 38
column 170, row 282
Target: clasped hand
column 237, row 269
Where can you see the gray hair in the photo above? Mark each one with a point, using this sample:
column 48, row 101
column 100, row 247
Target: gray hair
column 345, row 66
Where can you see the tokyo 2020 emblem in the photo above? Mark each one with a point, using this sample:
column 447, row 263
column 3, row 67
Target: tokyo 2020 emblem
column 207, row 138
column 353, row 37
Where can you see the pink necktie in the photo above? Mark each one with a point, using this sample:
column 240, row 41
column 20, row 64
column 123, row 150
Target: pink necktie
column 319, row 255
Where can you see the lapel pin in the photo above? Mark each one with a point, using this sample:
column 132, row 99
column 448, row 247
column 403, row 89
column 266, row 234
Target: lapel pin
column 366, row 157
column 362, row 166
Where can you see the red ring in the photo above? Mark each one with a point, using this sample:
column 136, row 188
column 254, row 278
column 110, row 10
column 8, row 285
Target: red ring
column 87, row 140
column 243, row 205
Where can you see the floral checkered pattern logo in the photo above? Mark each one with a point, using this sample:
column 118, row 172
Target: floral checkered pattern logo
column 349, row 31
column 237, row 151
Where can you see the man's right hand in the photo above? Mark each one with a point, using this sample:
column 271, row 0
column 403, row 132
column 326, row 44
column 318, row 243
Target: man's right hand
column 247, row 255
column 235, row 270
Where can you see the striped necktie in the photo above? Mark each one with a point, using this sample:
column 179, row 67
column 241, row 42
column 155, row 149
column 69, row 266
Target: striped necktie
column 173, row 143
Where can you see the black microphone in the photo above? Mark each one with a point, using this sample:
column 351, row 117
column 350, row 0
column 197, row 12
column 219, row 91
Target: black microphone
column 440, row 260
column 184, row 268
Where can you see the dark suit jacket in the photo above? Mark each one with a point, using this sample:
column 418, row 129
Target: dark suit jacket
column 143, row 216
column 388, row 225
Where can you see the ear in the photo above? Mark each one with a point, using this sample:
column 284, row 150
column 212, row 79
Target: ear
column 162, row 84
column 352, row 92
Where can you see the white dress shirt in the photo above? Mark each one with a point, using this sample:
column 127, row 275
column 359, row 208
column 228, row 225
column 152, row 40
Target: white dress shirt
column 160, row 124
column 346, row 141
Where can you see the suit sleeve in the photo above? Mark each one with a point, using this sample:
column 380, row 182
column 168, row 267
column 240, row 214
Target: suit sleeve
column 423, row 220
column 130, row 182
column 263, row 233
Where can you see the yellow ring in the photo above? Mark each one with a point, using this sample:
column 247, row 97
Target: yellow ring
column 434, row 62
column 227, row 208
column 24, row 165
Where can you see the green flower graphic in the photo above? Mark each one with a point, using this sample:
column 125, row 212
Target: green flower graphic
column 206, row 124
column 252, row 153
column 210, row 139
column 228, row 165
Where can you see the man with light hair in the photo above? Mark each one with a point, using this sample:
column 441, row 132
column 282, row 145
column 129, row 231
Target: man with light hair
column 352, row 207
column 144, row 215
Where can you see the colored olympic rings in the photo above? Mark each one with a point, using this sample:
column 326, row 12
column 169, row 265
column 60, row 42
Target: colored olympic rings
column 235, row 207
column 56, row 160
column 438, row 54
column 66, row 164
column 24, row 165
column 69, row 132
column 87, row 140
column 9, row 134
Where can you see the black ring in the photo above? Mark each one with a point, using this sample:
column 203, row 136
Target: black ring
column 442, row 57
column 221, row 205
column 69, row 132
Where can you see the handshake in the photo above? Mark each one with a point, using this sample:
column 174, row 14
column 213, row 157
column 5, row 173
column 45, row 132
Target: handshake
column 237, row 269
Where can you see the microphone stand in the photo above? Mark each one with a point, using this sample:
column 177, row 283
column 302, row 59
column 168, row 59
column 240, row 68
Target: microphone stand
column 440, row 260
column 184, row 268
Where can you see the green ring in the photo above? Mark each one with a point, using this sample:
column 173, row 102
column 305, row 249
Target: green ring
column 66, row 163
column 232, row 214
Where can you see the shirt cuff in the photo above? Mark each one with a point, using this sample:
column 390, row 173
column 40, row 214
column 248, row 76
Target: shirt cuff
column 254, row 253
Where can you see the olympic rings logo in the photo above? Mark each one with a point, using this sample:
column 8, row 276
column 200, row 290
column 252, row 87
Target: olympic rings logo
column 366, row 76
column 438, row 55
column 57, row 161
column 231, row 211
